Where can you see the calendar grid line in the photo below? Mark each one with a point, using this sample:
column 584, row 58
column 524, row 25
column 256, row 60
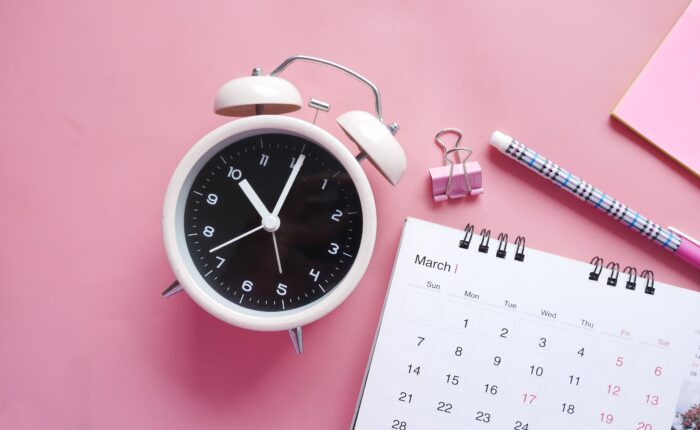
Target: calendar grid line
column 578, row 326
column 577, row 392
column 658, row 347
column 616, row 336
column 538, row 317
column 461, row 297
column 436, row 384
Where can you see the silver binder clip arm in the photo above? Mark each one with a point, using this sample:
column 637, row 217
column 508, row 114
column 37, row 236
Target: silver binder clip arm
column 452, row 166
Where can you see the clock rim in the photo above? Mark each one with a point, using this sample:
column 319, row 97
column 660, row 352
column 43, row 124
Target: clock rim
column 174, row 235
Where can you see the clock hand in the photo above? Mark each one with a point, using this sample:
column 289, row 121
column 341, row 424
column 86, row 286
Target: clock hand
column 277, row 252
column 216, row 248
column 253, row 198
column 288, row 185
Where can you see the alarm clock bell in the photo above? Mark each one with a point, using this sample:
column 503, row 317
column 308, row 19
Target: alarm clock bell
column 271, row 95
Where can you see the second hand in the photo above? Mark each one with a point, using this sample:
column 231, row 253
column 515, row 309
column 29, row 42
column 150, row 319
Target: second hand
column 277, row 252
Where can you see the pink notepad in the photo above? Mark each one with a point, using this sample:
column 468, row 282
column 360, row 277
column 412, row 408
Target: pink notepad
column 663, row 103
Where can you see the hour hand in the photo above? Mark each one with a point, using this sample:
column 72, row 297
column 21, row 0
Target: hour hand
column 253, row 198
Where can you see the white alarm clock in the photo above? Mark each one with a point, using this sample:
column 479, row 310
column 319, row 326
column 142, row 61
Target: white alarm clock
column 269, row 221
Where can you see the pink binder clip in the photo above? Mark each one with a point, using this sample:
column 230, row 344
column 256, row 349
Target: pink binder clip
column 455, row 181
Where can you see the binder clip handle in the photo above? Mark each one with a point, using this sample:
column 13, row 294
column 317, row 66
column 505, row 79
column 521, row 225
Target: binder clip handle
column 441, row 144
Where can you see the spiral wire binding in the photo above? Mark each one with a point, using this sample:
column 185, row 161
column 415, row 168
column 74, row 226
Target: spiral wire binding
column 501, row 251
column 502, row 245
column 614, row 273
column 520, row 248
column 632, row 277
column 649, row 276
column 630, row 271
column 485, row 238
column 468, row 233
column 597, row 262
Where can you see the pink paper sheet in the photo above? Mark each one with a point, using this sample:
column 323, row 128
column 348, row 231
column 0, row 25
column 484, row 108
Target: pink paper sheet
column 663, row 104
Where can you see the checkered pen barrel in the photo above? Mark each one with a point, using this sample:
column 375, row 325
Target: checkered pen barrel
column 594, row 196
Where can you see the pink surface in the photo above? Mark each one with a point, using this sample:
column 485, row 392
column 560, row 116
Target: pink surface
column 663, row 104
column 100, row 100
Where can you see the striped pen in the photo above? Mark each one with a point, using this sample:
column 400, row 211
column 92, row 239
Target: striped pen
column 680, row 244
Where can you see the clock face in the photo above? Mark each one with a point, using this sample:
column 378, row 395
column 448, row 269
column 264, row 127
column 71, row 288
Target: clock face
column 273, row 222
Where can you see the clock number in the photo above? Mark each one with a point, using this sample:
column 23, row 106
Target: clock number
column 247, row 286
column 208, row 231
column 323, row 186
column 334, row 249
column 212, row 199
column 314, row 274
column 291, row 165
column 336, row 216
column 263, row 159
column 221, row 261
column 234, row 173
column 281, row 289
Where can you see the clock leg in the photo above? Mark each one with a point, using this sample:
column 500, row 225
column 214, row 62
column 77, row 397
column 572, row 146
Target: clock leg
column 173, row 289
column 295, row 335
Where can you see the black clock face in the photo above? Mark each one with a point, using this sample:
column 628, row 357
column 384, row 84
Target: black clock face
column 273, row 222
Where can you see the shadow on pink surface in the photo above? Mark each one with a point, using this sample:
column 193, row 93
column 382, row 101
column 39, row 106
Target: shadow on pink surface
column 635, row 139
column 218, row 361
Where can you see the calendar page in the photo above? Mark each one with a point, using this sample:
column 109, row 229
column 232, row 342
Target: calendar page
column 468, row 340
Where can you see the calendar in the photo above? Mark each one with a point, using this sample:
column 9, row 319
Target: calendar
column 480, row 333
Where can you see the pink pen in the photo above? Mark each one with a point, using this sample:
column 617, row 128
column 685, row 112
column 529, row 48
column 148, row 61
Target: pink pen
column 682, row 245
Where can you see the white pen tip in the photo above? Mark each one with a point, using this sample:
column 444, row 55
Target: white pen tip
column 500, row 140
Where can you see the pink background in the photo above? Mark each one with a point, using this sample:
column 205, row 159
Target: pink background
column 100, row 100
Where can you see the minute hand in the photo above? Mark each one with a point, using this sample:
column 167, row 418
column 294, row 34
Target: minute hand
column 288, row 185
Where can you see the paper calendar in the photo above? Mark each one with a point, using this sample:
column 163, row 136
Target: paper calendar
column 479, row 333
